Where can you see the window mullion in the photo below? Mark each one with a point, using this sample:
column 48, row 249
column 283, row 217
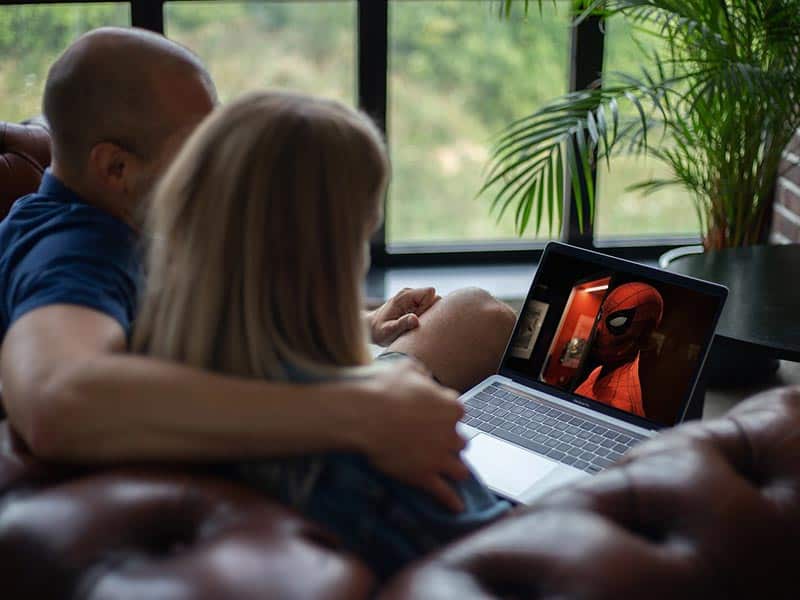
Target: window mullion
column 586, row 67
column 148, row 14
column 373, row 64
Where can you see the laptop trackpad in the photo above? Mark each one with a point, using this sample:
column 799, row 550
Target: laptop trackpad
column 506, row 468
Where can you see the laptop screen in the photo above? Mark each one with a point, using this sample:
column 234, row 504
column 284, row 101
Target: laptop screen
column 624, row 336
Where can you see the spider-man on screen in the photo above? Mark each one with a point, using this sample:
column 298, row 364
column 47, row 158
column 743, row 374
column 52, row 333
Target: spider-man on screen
column 626, row 340
column 628, row 316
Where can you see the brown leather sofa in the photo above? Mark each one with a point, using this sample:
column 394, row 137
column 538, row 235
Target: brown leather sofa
column 24, row 154
column 709, row 510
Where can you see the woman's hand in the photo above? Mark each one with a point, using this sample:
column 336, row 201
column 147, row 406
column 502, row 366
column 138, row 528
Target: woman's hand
column 399, row 314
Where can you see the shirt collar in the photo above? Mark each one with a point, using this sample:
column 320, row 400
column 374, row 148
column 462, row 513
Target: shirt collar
column 53, row 186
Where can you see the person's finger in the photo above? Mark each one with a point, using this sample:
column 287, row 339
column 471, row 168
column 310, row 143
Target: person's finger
column 391, row 330
column 427, row 306
column 426, row 292
column 402, row 300
column 458, row 408
column 409, row 321
column 425, row 301
column 403, row 324
column 455, row 469
column 458, row 443
column 408, row 299
column 422, row 295
column 442, row 491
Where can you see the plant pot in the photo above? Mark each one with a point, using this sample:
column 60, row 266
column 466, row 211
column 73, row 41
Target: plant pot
column 731, row 362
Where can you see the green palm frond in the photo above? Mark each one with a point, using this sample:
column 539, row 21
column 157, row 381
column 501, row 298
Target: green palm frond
column 718, row 106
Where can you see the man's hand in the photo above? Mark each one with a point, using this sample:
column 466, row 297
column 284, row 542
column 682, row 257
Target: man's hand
column 400, row 314
column 410, row 431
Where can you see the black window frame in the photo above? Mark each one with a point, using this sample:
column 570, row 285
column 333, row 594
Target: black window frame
column 372, row 39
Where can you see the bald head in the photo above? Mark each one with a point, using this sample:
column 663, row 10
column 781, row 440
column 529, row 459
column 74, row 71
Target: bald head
column 130, row 87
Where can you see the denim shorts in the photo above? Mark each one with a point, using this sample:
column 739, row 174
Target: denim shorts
column 385, row 522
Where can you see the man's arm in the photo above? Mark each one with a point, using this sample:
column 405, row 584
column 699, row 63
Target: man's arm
column 73, row 395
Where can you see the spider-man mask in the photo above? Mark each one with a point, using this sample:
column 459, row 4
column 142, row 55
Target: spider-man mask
column 628, row 316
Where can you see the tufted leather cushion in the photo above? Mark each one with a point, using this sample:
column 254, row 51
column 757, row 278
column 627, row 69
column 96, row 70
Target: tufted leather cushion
column 709, row 510
column 165, row 533
column 24, row 155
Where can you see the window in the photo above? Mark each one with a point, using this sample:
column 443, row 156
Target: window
column 622, row 213
column 308, row 46
column 33, row 36
column 443, row 76
column 458, row 74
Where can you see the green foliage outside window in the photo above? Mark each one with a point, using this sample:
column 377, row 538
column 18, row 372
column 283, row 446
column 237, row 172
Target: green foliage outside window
column 458, row 74
column 32, row 36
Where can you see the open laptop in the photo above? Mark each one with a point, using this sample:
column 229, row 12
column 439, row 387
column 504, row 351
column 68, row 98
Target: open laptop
column 605, row 353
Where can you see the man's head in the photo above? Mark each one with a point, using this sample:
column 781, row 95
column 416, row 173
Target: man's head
column 119, row 103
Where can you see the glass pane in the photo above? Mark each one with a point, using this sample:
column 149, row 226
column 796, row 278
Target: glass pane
column 458, row 75
column 32, row 37
column 307, row 46
column 622, row 213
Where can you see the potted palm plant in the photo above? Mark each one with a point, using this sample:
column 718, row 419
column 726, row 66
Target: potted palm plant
column 718, row 105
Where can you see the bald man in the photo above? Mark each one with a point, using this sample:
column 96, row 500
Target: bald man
column 120, row 102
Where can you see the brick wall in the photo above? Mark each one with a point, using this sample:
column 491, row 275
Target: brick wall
column 786, row 218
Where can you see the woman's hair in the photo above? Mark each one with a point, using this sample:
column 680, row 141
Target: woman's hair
column 258, row 239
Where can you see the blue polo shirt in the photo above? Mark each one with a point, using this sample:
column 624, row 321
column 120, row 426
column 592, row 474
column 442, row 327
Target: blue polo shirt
column 57, row 249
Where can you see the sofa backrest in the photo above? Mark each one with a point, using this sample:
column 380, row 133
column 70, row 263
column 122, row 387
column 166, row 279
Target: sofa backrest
column 24, row 155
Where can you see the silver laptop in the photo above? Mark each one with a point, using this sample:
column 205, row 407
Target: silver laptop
column 605, row 353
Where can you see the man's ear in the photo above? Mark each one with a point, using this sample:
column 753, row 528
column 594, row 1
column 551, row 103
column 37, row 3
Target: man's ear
column 109, row 165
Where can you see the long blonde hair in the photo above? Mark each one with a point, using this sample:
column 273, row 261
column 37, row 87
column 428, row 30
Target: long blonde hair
column 257, row 239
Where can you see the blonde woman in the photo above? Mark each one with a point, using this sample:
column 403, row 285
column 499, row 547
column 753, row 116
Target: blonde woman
column 260, row 236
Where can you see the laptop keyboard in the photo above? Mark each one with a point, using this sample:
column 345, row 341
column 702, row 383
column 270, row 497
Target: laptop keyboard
column 564, row 436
